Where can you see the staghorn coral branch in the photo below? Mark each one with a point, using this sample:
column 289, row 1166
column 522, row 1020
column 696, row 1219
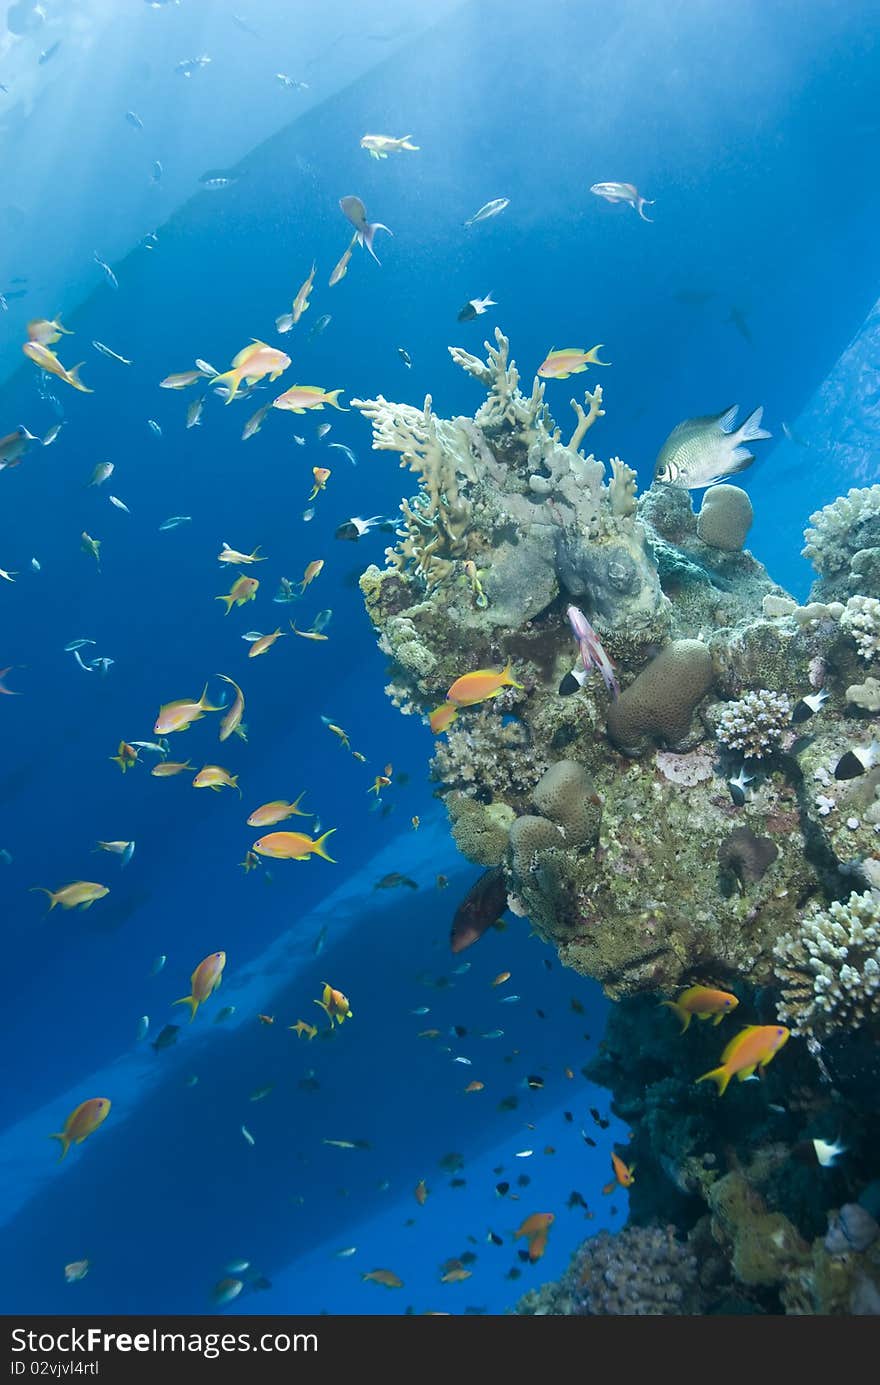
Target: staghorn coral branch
column 586, row 420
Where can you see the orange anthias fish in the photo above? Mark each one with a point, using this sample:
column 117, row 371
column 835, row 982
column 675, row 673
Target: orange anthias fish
column 301, row 397
column 293, row 846
column 301, row 302
column 80, row 895
column 754, row 1047
column 386, row 1277
column 205, row 980
column 570, row 360
column 536, row 1228
column 334, row 1004
column 177, row 716
column 277, row 811
column 81, row 1123
column 231, row 722
column 243, row 589
column 702, row 1001
column 442, row 717
column 380, row 782
column 216, row 778
column 480, row 685
column 322, row 476
column 623, row 1175
column 475, row 1086
column 420, row 1193
column 264, row 643
column 251, row 364
column 312, row 571
column 47, row 360
column 125, row 757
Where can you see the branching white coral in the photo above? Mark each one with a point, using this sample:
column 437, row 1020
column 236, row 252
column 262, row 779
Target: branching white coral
column 829, row 970
column 861, row 620
column 755, row 723
column 829, row 543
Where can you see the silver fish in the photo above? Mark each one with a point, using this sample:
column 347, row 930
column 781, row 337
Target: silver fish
column 154, row 427
column 194, row 412
column 623, row 192
column 173, row 522
column 113, row 355
column 489, row 209
column 143, row 1028
column 702, row 451
column 119, row 504
column 134, row 119
column 341, row 447
column 76, row 644
column 108, row 272
column 53, row 433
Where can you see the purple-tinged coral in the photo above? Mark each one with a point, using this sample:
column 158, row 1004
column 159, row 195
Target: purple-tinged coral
column 640, row 1272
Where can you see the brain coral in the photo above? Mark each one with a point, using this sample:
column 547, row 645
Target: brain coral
column 725, row 518
column 829, row 969
column 661, row 702
column 566, row 795
column 528, row 835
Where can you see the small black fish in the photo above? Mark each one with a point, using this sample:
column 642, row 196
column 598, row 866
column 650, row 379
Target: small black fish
column 547, row 963
column 572, row 683
column 577, row 1007
column 495, row 1240
column 459, row 1031
column 588, row 1141
column 513, row 1272
column 595, row 1114
column 857, row 761
column 502, row 1189
column 536, row 1083
column 166, row 1037
column 524, row 1256
column 509, row 1103
column 524, row 1180
column 809, row 706
column 540, row 1014
column 467, row 1258
column 458, row 1182
column 568, row 1116
column 576, row 1199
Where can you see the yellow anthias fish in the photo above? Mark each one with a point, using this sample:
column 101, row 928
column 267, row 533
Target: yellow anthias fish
column 231, row 722
column 340, row 269
column 277, row 811
column 168, row 768
column 754, row 1047
column 48, row 361
column 380, row 146
column 232, row 555
column 570, row 360
column 46, row 331
column 702, row 1001
column 80, row 895
column 334, row 1004
column 81, row 1123
column 293, row 846
column 301, row 1027
column 125, row 757
column 243, row 589
column 177, row 716
column 251, row 364
column 259, row 646
column 301, row 397
column 216, row 778
column 301, row 302
column 205, row 980
column 480, row 685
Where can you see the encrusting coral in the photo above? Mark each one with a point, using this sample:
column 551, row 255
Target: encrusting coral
column 829, row 968
column 642, row 1271
column 600, row 779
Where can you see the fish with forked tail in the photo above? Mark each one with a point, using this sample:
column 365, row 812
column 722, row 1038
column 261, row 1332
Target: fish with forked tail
column 702, row 451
